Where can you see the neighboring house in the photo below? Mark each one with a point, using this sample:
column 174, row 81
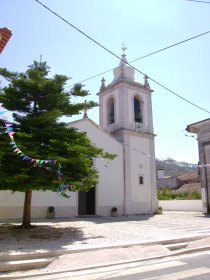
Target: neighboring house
column 129, row 181
column 172, row 182
column 169, row 182
column 189, row 177
column 202, row 129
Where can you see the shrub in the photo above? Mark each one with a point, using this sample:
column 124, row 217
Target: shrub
column 167, row 194
column 194, row 195
column 51, row 209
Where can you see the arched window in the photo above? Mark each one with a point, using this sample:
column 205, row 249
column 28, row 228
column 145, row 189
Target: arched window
column 110, row 111
column 138, row 110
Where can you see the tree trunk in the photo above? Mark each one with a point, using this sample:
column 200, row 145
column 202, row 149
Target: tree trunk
column 26, row 223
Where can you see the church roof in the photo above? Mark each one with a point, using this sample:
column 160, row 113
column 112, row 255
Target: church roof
column 194, row 126
column 86, row 118
column 5, row 34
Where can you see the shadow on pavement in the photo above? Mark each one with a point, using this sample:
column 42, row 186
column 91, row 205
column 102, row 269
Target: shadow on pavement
column 41, row 237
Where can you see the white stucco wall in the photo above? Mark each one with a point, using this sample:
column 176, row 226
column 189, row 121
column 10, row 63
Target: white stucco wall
column 138, row 163
column 181, row 205
column 110, row 189
column 140, row 166
column 11, row 204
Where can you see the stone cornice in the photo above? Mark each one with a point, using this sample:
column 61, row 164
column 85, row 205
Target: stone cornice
column 135, row 133
column 123, row 83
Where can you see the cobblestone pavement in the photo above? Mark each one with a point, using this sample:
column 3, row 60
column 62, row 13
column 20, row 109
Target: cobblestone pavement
column 59, row 234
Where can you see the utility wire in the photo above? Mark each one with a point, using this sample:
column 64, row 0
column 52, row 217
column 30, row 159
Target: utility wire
column 97, row 43
column 73, row 26
column 206, row 2
column 160, row 50
column 176, row 44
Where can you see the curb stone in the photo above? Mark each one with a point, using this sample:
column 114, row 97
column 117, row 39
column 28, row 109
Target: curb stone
column 25, row 274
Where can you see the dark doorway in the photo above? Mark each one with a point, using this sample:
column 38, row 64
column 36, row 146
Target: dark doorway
column 87, row 202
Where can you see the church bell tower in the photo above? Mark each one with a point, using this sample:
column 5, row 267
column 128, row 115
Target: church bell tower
column 126, row 112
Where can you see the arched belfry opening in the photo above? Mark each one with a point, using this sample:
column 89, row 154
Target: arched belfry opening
column 138, row 110
column 110, row 110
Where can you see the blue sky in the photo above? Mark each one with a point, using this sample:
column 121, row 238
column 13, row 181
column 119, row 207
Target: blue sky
column 145, row 26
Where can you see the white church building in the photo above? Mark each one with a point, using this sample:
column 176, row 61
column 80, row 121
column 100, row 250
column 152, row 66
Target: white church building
column 129, row 181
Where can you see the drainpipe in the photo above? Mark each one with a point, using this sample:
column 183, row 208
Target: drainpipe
column 206, row 178
column 124, row 177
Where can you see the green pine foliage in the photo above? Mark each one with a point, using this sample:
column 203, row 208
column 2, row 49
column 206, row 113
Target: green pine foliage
column 37, row 103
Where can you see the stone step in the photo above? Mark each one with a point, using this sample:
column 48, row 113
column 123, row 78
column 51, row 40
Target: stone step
column 24, row 264
column 29, row 256
column 177, row 246
column 51, row 254
column 42, row 259
column 27, row 268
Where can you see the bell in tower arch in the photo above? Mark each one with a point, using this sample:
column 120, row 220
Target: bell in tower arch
column 137, row 110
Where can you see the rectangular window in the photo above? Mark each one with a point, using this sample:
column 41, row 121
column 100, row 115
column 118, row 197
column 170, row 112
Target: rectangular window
column 141, row 180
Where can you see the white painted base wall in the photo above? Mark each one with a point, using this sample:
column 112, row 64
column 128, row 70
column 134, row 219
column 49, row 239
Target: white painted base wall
column 11, row 205
column 181, row 205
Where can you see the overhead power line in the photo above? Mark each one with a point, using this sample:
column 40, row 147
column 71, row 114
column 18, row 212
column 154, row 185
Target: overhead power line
column 112, row 53
column 152, row 53
column 206, row 2
column 171, row 46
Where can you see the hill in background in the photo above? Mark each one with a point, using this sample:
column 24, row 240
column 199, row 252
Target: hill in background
column 186, row 174
column 174, row 168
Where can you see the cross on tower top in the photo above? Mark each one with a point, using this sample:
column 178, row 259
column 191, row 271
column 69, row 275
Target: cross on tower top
column 123, row 47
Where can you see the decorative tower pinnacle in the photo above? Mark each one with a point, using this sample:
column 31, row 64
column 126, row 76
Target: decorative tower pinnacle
column 103, row 86
column 146, row 83
column 85, row 111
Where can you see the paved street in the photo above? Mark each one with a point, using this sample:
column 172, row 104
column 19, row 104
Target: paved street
column 188, row 267
column 51, row 235
column 69, row 238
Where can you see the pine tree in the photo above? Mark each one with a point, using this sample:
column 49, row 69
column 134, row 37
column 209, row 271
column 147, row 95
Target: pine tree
column 37, row 103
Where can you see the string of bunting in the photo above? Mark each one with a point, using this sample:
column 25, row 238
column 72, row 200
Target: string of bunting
column 62, row 187
column 171, row 162
column 43, row 163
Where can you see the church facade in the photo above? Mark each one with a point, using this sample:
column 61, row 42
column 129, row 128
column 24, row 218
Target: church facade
column 128, row 182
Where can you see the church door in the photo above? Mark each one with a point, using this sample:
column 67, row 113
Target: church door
column 87, row 202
